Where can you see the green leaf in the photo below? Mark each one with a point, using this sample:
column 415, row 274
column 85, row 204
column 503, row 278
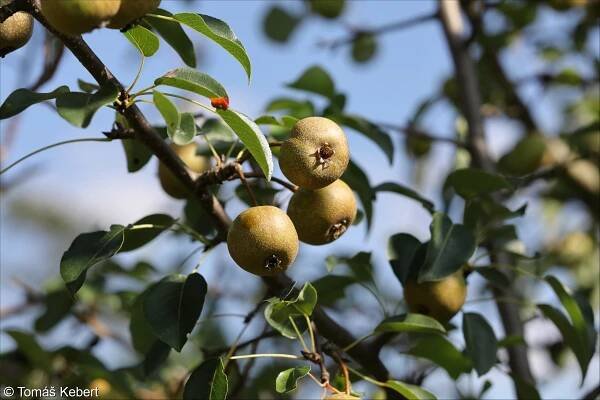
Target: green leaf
column 410, row 392
column 359, row 182
column 287, row 381
column 449, row 249
column 78, row 108
column 140, row 331
column 278, row 312
column 405, row 254
column 471, row 182
column 145, row 230
column 440, row 351
column 29, row 346
column 173, row 305
column 278, row 24
column 254, row 140
column 327, row 9
column 481, row 343
column 296, row 108
column 58, row 304
column 410, row 323
column 87, row 250
column 525, row 390
column 493, row 276
column 208, row 381
column 581, row 335
column 174, row 35
column 155, row 358
column 197, row 218
column 187, row 129
column 143, row 40
column 193, row 81
column 287, row 121
column 168, row 111
column 371, row 131
column 137, row 154
column 219, row 32
column 364, row 47
column 332, row 287
column 407, row 192
column 87, row 87
column 21, row 99
column 315, row 80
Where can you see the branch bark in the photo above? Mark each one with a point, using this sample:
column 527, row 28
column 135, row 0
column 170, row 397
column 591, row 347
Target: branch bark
column 451, row 18
column 145, row 133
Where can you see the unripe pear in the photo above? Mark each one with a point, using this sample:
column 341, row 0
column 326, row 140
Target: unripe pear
column 322, row 215
column 525, row 157
column 74, row 17
column 132, row 10
column 15, row 31
column 195, row 163
column 574, row 248
column 439, row 299
column 316, row 154
column 263, row 241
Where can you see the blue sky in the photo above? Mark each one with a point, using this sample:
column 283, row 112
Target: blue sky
column 90, row 180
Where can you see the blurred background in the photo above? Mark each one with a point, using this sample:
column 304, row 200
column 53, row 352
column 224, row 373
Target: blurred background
column 49, row 199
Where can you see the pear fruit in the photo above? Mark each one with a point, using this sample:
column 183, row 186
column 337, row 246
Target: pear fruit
column 132, row 10
column 525, row 157
column 322, row 215
column 195, row 163
column 74, row 17
column 263, row 241
column 316, row 153
column 574, row 248
column 15, row 31
column 438, row 299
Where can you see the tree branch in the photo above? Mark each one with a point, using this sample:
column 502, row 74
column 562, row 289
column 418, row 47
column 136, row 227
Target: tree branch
column 148, row 135
column 394, row 26
column 451, row 18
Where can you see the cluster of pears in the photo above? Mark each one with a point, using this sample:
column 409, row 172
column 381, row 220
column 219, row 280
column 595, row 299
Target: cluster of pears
column 15, row 31
column 74, row 17
column 264, row 240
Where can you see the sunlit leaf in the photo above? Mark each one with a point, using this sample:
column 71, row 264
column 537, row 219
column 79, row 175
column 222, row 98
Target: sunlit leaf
column 278, row 312
column 411, row 392
column 252, row 137
column 193, row 81
column 287, row 381
column 143, row 39
column 410, row 323
column 169, row 112
column 219, row 32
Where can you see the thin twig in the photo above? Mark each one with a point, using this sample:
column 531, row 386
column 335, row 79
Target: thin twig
column 392, row 27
